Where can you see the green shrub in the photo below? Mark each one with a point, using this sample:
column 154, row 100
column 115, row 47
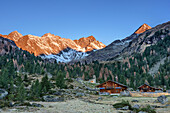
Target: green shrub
column 122, row 104
column 147, row 109
column 4, row 104
column 10, row 96
column 22, row 104
column 69, row 80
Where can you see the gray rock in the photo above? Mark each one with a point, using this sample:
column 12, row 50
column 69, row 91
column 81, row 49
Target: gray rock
column 53, row 99
column 10, row 104
column 104, row 93
column 131, row 112
column 3, row 93
column 134, row 101
column 16, row 104
column 155, row 101
column 37, row 105
column 123, row 108
column 80, row 94
column 142, row 112
column 155, row 106
column 99, row 98
column 57, row 93
column 90, row 89
column 136, row 106
column 22, row 104
column 162, row 99
column 125, row 93
column 167, row 105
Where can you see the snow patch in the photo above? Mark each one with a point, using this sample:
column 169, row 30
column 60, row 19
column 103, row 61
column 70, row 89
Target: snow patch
column 66, row 55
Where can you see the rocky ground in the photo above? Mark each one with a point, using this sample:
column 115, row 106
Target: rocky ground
column 90, row 104
column 82, row 98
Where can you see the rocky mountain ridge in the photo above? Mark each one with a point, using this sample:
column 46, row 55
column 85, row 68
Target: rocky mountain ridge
column 147, row 38
column 50, row 44
column 7, row 46
column 114, row 49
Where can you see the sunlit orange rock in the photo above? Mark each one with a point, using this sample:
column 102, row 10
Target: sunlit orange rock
column 51, row 44
column 142, row 28
column 14, row 36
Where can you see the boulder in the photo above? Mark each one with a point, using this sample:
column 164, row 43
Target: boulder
column 136, row 106
column 142, row 112
column 99, row 98
column 156, row 106
column 80, row 94
column 53, row 99
column 167, row 105
column 22, row 104
column 90, row 89
column 162, row 99
column 125, row 93
column 134, row 101
column 123, row 108
column 57, row 93
column 3, row 93
column 37, row 105
column 10, row 104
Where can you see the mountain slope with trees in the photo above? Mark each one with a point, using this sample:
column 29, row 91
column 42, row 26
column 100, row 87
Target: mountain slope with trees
column 27, row 77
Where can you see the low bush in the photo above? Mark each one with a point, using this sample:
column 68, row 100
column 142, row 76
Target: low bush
column 147, row 109
column 123, row 104
column 5, row 104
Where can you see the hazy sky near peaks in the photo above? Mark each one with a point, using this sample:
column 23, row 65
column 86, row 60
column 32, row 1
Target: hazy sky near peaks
column 106, row 20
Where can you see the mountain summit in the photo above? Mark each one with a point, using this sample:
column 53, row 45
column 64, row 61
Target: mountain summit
column 50, row 44
column 142, row 29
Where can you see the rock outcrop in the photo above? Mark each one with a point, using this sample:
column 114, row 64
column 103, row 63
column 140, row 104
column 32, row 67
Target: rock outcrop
column 162, row 99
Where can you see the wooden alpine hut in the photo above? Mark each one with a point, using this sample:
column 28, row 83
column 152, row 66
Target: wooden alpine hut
column 111, row 87
column 147, row 88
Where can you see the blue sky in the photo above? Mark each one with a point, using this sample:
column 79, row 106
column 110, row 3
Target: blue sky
column 106, row 20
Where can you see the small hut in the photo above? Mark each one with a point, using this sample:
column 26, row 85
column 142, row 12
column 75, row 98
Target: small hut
column 147, row 88
column 111, row 87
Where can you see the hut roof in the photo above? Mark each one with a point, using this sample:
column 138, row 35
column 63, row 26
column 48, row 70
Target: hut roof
column 113, row 82
column 145, row 84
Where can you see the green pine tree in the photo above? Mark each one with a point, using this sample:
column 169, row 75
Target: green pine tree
column 21, row 96
column 60, row 82
column 4, row 79
column 45, row 84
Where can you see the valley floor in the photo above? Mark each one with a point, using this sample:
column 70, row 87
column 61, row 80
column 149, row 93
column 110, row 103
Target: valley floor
column 88, row 104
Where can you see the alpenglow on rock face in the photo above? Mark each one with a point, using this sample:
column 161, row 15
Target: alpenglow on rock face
column 142, row 28
column 50, row 44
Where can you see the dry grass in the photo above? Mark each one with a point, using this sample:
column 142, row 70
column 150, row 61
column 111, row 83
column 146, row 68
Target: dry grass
column 139, row 94
column 89, row 104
